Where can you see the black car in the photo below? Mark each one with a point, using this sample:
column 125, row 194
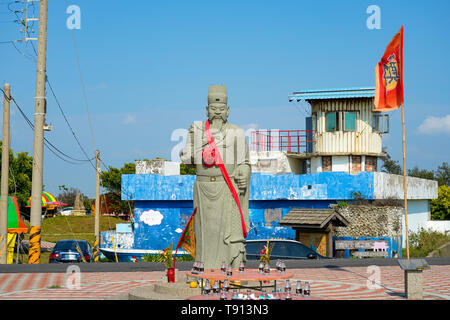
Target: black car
column 282, row 249
column 69, row 251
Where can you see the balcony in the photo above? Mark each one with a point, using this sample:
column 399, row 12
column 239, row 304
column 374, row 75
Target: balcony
column 290, row 141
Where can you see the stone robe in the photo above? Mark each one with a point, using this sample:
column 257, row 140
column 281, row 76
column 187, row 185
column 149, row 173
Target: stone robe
column 217, row 223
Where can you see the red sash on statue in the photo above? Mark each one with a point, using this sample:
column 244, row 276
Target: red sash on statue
column 213, row 157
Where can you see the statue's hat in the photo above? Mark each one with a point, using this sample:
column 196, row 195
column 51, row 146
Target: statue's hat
column 217, row 94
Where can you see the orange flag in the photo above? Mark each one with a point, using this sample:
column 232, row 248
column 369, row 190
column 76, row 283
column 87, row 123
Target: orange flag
column 389, row 76
column 187, row 239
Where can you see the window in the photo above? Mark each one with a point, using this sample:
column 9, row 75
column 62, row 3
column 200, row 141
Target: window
column 326, row 163
column 371, row 163
column 336, row 121
column 71, row 245
column 299, row 250
column 280, row 249
column 253, row 248
column 290, row 250
column 356, row 163
column 380, row 122
column 349, row 121
column 332, row 123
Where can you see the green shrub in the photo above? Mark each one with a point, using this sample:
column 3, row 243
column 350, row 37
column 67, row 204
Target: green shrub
column 440, row 207
column 157, row 258
column 342, row 204
column 421, row 243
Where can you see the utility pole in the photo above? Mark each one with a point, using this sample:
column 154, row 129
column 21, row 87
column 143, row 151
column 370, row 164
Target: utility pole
column 38, row 147
column 97, row 207
column 5, row 177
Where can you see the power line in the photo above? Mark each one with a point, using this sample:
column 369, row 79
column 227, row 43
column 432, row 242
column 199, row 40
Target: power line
column 68, row 124
column 31, row 58
column 66, row 120
column 82, row 85
column 10, row 41
column 47, row 143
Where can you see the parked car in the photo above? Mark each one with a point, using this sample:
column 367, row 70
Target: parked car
column 66, row 251
column 282, row 249
column 67, row 211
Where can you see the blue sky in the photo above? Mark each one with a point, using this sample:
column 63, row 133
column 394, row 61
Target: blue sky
column 147, row 66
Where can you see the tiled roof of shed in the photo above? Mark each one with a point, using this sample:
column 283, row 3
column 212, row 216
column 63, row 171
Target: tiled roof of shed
column 312, row 217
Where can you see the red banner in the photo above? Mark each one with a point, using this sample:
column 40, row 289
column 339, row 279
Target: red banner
column 389, row 76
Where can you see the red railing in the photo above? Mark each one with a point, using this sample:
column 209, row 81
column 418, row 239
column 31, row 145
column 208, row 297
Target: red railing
column 292, row 141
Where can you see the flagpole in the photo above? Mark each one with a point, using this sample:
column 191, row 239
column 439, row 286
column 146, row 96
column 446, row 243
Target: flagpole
column 404, row 183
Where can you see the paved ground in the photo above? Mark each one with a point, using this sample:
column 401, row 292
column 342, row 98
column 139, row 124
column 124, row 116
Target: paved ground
column 187, row 265
column 336, row 283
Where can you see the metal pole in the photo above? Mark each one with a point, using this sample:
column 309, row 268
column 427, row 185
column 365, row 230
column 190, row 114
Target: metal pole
column 5, row 177
column 97, row 208
column 404, row 184
column 38, row 147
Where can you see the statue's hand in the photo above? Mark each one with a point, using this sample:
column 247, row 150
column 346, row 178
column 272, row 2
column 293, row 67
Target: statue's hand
column 241, row 178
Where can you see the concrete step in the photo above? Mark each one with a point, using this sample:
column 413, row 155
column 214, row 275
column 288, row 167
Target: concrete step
column 177, row 289
column 162, row 290
column 148, row 293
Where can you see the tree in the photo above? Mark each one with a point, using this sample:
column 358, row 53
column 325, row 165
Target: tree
column 186, row 170
column 20, row 172
column 443, row 174
column 112, row 181
column 390, row 166
column 421, row 173
column 440, row 207
column 68, row 196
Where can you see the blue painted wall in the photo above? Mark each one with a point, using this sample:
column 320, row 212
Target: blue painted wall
column 317, row 186
column 264, row 219
column 271, row 198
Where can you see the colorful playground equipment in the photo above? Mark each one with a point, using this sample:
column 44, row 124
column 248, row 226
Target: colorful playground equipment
column 15, row 227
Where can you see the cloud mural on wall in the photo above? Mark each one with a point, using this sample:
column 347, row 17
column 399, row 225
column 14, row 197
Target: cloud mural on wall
column 151, row 217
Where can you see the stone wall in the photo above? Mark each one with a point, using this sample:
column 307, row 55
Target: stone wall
column 371, row 221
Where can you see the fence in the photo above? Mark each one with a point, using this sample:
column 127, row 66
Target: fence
column 291, row 141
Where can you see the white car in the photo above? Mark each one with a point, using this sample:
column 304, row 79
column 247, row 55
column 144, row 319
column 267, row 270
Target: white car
column 67, row 211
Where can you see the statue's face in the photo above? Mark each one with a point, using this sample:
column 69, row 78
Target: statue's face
column 217, row 111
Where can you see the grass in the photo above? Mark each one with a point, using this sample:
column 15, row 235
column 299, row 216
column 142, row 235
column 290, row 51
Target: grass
column 72, row 227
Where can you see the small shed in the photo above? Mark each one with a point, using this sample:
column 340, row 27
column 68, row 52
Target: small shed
column 314, row 227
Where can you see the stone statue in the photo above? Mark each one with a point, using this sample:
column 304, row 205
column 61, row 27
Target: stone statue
column 220, row 226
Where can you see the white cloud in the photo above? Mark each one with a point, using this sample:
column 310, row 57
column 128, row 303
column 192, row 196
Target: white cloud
column 130, row 119
column 151, row 217
column 434, row 125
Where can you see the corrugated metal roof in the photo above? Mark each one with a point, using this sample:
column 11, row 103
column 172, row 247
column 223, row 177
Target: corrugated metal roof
column 342, row 93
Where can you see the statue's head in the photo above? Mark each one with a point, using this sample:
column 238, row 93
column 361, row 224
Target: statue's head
column 217, row 103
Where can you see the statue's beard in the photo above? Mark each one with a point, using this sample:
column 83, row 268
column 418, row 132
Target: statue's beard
column 217, row 121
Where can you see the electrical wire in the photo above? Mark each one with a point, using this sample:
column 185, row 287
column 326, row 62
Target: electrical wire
column 82, row 85
column 10, row 41
column 65, row 118
column 68, row 124
column 47, row 143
